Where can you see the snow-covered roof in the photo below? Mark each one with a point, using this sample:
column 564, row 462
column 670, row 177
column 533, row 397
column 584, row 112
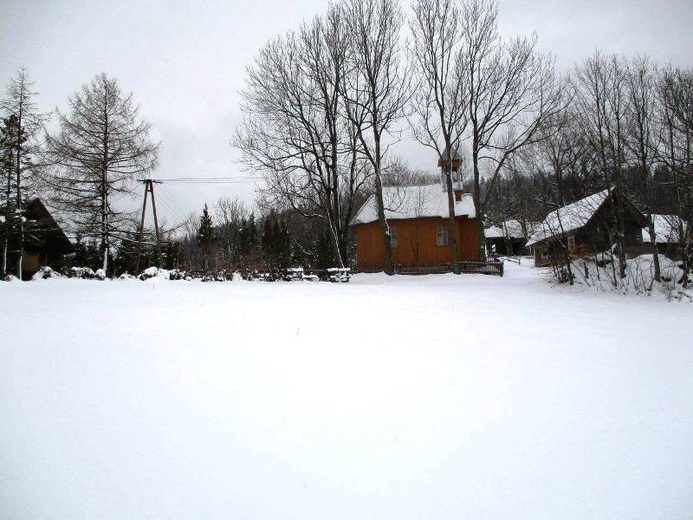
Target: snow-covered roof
column 405, row 202
column 510, row 229
column 493, row 232
column 666, row 229
column 569, row 218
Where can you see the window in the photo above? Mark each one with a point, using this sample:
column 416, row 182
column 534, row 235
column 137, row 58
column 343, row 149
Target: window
column 393, row 237
column 442, row 238
column 571, row 243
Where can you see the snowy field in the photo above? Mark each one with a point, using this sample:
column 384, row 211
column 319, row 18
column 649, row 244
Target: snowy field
column 407, row 397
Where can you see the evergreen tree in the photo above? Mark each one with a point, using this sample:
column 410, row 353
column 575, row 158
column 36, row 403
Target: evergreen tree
column 205, row 236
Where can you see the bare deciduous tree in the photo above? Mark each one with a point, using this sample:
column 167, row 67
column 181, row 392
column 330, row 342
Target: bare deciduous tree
column 101, row 147
column 440, row 108
column 513, row 94
column 377, row 90
column 676, row 105
column 20, row 107
column 642, row 138
column 295, row 131
column 600, row 94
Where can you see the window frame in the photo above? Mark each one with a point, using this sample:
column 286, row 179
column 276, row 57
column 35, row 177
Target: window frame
column 442, row 236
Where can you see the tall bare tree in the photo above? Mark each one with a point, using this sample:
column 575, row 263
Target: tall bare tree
column 440, row 107
column 642, row 137
column 295, row 131
column 513, row 94
column 676, row 105
column 377, row 90
column 601, row 101
column 102, row 146
column 20, row 107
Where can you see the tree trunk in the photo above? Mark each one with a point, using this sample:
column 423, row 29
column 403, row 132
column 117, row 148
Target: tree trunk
column 476, row 194
column 8, row 215
column 452, row 221
column 104, row 222
column 20, row 220
column 384, row 227
column 655, row 253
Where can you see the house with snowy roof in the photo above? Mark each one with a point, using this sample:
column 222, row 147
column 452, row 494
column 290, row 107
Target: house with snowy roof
column 45, row 243
column 586, row 227
column 418, row 220
column 509, row 238
column 668, row 231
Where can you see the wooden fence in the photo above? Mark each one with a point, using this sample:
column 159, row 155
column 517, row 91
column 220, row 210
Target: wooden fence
column 491, row 267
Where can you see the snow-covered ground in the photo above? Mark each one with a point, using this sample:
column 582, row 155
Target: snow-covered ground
column 407, row 397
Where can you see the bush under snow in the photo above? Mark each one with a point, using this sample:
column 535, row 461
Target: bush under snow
column 602, row 273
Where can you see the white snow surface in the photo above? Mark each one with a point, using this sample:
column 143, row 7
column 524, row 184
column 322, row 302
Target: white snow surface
column 436, row 396
column 405, row 202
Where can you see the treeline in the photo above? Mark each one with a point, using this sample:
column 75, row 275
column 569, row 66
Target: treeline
column 324, row 103
column 324, row 107
column 627, row 123
column 232, row 238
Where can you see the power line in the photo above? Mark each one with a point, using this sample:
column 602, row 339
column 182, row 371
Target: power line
column 210, row 180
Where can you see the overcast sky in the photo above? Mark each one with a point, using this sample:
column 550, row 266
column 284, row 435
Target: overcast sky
column 185, row 62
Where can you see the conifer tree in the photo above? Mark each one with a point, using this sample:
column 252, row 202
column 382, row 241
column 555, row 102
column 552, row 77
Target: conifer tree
column 205, row 236
column 22, row 124
column 101, row 148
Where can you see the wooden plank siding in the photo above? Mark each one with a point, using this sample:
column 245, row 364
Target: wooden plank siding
column 416, row 242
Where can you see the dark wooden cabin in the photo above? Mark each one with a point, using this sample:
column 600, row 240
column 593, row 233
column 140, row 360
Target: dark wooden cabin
column 45, row 243
column 587, row 227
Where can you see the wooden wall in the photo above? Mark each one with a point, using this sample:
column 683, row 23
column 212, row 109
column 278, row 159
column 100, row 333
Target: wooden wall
column 416, row 242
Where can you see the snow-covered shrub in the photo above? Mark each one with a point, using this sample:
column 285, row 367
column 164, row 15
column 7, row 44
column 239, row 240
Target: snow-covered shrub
column 176, row 274
column 601, row 274
column 165, row 274
column 154, row 272
column 80, row 272
column 46, row 272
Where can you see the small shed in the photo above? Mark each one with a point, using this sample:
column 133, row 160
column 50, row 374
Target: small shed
column 509, row 238
column 45, row 243
column 668, row 232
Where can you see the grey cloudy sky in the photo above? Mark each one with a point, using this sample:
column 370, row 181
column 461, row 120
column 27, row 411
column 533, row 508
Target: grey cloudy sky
column 185, row 61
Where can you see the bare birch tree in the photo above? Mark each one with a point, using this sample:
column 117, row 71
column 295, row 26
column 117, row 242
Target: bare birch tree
column 377, row 90
column 101, row 147
column 440, row 103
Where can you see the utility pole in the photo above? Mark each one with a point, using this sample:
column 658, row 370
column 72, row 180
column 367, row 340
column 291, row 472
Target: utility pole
column 148, row 189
